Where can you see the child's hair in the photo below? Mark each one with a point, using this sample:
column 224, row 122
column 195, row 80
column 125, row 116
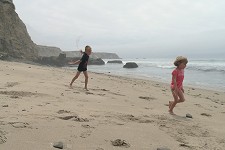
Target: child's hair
column 87, row 47
column 179, row 60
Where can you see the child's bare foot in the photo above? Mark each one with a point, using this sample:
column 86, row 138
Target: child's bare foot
column 71, row 86
column 86, row 89
column 171, row 112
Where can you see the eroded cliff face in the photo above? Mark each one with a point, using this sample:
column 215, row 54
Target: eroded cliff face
column 15, row 41
column 48, row 51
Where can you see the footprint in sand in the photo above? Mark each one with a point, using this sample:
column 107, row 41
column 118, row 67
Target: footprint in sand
column 74, row 118
column 87, row 126
column 85, row 134
column 205, row 114
column 2, row 137
column 99, row 149
column 147, row 98
column 11, row 84
column 20, row 93
column 89, row 93
column 67, row 117
column 63, row 111
column 20, row 124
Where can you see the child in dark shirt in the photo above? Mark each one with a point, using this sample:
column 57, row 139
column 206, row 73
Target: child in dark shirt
column 82, row 66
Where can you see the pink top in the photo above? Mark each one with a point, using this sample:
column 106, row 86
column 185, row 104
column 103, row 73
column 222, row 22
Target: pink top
column 179, row 74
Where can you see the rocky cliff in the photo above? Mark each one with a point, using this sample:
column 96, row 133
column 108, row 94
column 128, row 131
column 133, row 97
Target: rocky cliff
column 48, row 51
column 106, row 55
column 15, row 41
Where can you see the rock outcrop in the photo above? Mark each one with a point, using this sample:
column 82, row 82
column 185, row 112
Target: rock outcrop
column 48, row 51
column 130, row 65
column 115, row 62
column 15, row 41
column 103, row 55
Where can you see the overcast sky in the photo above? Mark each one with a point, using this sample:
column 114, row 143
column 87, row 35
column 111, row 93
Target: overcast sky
column 130, row 28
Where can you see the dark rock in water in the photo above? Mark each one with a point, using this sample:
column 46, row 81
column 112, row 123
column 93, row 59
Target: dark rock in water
column 115, row 62
column 58, row 145
column 163, row 148
column 130, row 65
column 189, row 116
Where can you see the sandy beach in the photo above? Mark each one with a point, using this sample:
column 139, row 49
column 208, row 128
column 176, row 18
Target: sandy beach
column 38, row 109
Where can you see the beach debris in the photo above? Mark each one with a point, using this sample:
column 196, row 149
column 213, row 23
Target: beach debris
column 205, row 114
column 5, row 105
column 163, row 148
column 120, row 143
column 189, row 116
column 58, row 145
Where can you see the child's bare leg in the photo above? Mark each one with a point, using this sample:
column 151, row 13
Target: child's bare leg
column 74, row 78
column 181, row 96
column 172, row 104
column 86, row 79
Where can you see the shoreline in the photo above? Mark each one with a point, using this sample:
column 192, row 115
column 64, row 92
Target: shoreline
column 38, row 109
column 216, row 89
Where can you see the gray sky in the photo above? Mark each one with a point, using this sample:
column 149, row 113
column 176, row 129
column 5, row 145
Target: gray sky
column 130, row 28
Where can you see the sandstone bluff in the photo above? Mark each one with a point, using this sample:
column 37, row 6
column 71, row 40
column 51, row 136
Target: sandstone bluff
column 15, row 42
column 14, row 38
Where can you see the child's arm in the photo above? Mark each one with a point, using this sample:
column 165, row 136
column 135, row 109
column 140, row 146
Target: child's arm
column 175, row 83
column 74, row 62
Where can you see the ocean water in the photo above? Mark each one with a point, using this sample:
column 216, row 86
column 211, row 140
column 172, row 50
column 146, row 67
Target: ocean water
column 203, row 73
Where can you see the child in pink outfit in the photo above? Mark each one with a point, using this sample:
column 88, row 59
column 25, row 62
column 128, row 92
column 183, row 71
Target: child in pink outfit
column 177, row 82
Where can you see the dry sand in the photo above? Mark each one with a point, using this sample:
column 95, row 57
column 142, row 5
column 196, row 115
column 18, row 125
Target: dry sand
column 37, row 109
